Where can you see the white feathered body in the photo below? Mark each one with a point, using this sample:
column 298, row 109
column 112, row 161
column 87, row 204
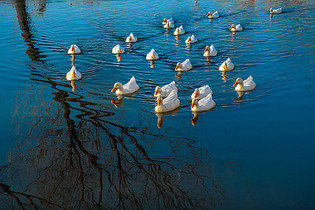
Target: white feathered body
column 203, row 92
column 186, row 66
column 170, row 103
column 248, row 85
column 204, row 104
column 167, row 89
column 73, row 74
column 229, row 64
column 152, row 55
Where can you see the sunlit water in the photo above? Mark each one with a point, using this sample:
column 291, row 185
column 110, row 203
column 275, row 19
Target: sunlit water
column 74, row 149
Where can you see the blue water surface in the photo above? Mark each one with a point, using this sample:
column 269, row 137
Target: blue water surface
column 66, row 145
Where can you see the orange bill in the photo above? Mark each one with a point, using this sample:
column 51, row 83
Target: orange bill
column 114, row 88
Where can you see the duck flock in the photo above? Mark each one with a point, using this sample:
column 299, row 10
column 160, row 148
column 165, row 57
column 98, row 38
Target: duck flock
column 166, row 96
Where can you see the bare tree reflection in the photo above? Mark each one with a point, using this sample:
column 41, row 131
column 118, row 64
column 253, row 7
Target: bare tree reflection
column 102, row 164
column 24, row 22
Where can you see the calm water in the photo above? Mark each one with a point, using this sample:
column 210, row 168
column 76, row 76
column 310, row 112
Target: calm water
column 74, row 149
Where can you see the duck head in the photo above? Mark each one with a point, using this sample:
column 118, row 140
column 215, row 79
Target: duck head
column 207, row 49
column 164, row 21
column 72, row 48
column 232, row 26
column 194, row 102
column 271, row 10
column 158, row 90
column 129, row 39
column 118, row 86
column 189, row 39
column 178, row 66
column 159, row 100
column 119, row 50
column 239, row 81
column 209, row 14
column 225, row 65
column 196, row 93
column 177, row 31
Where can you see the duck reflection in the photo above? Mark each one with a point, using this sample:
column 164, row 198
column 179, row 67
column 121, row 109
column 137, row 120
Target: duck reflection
column 160, row 120
column 160, row 117
column 119, row 102
column 271, row 15
column 177, row 38
column 195, row 118
column 73, row 85
column 118, row 56
column 73, row 59
column 224, row 75
column 240, row 95
column 152, row 65
column 179, row 75
column 130, row 44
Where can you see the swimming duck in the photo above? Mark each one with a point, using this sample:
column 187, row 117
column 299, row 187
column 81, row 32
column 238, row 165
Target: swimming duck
column 191, row 39
column 227, row 65
column 165, row 21
column 170, row 103
column 118, row 50
column 169, row 24
column 179, row 31
column 210, row 51
column 201, row 92
column 184, row 66
column 73, row 74
column 211, row 15
column 236, row 27
column 245, row 85
column 131, row 38
column 74, row 49
column 203, row 104
column 165, row 90
column 275, row 11
column 152, row 55
column 127, row 88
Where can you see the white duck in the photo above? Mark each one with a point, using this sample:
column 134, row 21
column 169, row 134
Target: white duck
column 131, row 38
column 275, row 11
column 170, row 103
column 73, row 74
column 210, row 51
column 165, row 21
column 227, row 65
column 201, row 92
column 127, row 88
column 191, row 39
column 169, row 24
column 165, row 90
column 203, row 104
column 179, row 31
column 245, row 85
column 184, row 66
column 74, row 49
column 211, row 15
column 152, row 55
column 118, row 49
column 234, row 27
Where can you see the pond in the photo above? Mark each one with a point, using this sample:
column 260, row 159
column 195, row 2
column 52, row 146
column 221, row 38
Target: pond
column 76, row 145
